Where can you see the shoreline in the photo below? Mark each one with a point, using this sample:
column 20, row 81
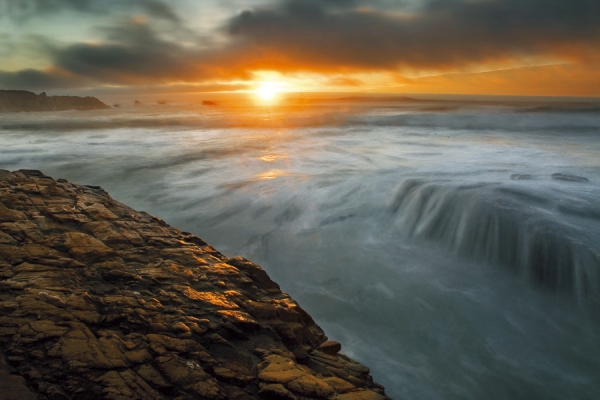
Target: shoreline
column 99, row 298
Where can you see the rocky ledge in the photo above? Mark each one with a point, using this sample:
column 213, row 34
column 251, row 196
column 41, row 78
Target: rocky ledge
column 98, row 300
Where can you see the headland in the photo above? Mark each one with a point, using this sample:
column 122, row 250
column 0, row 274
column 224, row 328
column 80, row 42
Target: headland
column 22, row 100
column 99, row 301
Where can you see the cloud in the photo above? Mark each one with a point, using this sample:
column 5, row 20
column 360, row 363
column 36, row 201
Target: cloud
column 31, row 79
column 344, row 81
column 133, row 53
column 442, row 34
column 24, row 9
column 541, row 80
column 316, row 36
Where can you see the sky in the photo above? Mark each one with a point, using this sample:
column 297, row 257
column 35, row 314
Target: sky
column 490, row 47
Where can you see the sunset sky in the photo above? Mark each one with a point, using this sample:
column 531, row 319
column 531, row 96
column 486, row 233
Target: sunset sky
column 497, row 47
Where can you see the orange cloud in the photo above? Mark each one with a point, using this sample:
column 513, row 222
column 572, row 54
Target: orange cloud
column 545, row 80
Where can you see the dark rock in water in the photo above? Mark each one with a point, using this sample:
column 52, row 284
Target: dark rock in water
column 21, row 100
column 161, row 102
column 208, row 103
column 137, row 103
column 99, row 301
column 521, row 177
column 569, row 178
column 116, row 105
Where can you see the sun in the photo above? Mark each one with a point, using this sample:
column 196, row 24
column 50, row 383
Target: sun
column 267, row 91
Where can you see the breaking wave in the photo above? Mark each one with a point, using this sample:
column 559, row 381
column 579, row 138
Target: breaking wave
column 528, row 232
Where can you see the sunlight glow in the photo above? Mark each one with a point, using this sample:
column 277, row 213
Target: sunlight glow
column 267, row 91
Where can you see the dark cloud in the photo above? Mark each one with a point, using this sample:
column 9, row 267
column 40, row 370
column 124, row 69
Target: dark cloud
column 159, row 9
column 23, row 9
column 338, row 34
column 177, row 89
column 135, row 53
column 31, row 79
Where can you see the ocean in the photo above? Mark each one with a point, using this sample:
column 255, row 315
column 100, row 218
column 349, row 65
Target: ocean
column 452, row 245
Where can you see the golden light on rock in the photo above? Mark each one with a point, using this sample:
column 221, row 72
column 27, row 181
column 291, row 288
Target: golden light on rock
column 216, row 299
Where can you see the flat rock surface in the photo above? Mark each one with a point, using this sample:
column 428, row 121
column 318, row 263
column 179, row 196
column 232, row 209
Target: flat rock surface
column 99, row 301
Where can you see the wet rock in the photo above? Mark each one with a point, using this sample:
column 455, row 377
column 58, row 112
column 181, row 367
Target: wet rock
column 279, row 369
column 138, row 356
column 521, row 177
column 79, row 347
column 330, row 347
column 153, row 377
column 10, row 215
column 339, row 385
column 309, row 386
column 127, row 385
column 569, row 178
column 275, row 392
column 13, row 387
column 360, row 395
column 180, row 327
column 100, row 301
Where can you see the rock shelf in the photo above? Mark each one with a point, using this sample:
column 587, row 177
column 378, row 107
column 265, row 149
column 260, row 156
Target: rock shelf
column 99, row 301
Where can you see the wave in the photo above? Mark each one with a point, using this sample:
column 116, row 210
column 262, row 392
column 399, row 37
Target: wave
column 504, row 121
column 360, row 114
column 531, row 233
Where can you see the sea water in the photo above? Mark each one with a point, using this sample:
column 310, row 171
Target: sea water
column 451, row 246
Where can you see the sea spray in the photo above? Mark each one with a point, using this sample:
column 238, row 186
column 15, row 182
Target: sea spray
column 515, row 227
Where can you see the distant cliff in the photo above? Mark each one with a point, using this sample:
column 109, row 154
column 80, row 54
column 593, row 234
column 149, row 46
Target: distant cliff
column 21, row 100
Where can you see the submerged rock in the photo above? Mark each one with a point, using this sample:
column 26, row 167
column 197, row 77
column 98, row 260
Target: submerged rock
column 569, row 178
column 521, row 177
column 98, row 300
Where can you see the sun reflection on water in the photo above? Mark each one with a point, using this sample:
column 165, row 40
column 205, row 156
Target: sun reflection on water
column 272, row 174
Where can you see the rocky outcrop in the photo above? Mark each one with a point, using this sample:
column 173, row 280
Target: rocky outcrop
column 21, row 100
column 99, row 301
